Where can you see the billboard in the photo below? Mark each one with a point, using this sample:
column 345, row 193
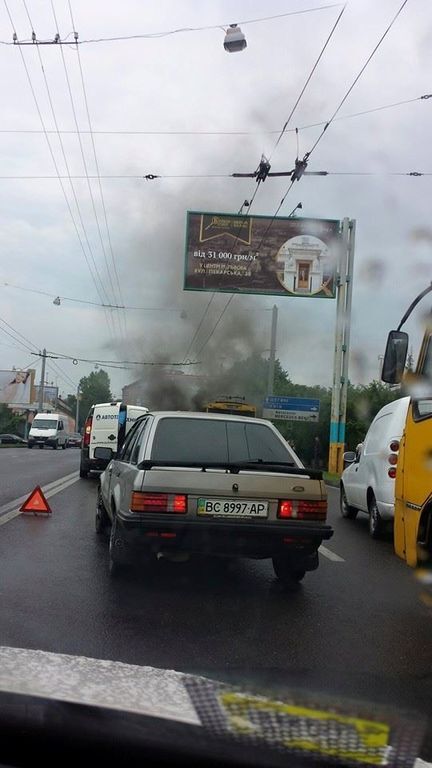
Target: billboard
column 50, row 394
column 16, row 387
column 260, row 254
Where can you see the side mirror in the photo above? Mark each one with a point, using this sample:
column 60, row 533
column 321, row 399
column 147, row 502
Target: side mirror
column 395, row 357
column 349, row 458
column 106, row 454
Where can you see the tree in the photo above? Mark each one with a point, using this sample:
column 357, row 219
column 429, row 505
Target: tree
column 95, row 388
column 409, row 365
column 10, row 422
column 363, row 404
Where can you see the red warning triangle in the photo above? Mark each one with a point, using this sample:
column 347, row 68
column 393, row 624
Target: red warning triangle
column 36, row 502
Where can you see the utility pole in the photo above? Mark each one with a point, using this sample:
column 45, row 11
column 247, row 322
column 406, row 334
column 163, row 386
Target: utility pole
column 42, row 382
column 77, row 408
column 272, row 357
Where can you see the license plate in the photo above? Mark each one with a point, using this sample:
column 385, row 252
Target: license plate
column 232, row 507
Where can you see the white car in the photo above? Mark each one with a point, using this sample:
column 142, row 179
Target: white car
column 368, row 483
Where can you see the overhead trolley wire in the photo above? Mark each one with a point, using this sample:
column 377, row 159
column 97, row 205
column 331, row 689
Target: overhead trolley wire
column 96, row 161
column 59, row 177
column 308, row 79
column 89, row 186
column 125, row 132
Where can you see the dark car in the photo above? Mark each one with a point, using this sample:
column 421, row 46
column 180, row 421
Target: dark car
column 12, row 440
column 75, row 440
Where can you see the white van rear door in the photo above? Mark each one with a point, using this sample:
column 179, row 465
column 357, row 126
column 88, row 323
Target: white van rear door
column 104, row 427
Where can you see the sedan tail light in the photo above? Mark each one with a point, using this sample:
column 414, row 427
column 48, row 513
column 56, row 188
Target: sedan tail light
column 158, row 502
column 302, row 510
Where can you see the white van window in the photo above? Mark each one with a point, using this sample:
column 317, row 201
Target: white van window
column 376, row 435
column 44, row 424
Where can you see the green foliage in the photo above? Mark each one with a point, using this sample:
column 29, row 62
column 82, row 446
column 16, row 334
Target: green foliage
column 95, row 388
column 363, row 404
column 10, row 423
column 71, row 402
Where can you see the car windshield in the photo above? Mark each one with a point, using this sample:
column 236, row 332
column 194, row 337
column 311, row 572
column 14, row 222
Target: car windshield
column 215, row 218
column 186, row 439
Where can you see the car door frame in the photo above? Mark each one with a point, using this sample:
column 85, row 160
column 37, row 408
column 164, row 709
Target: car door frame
column 358, row 470
column 120, row 468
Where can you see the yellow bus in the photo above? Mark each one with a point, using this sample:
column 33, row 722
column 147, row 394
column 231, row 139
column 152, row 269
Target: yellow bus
column 233, row 405
column 413, row 484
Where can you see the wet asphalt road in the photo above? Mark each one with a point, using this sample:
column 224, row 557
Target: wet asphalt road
column 21, row 469
column 356, row 626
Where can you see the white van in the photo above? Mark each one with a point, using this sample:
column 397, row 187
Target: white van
column 368, row 483
column 106, row 425
column 48, row 429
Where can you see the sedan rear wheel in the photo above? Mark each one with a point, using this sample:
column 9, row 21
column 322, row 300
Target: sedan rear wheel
column 102, row 520
column 286, row 574
column 116, row 567
column 346, row 510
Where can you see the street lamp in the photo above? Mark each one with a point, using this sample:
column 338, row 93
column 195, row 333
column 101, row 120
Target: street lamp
column 234, row 39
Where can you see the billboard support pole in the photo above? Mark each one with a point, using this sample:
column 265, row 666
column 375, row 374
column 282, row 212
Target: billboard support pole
column 42, row 381
column 272, row 356
column 341, row 355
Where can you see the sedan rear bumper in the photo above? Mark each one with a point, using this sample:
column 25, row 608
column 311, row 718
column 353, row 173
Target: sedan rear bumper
column 220, row 537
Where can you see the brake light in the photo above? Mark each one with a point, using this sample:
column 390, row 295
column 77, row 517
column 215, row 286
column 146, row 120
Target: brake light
column 302, row 510
column 312, row 509
column 285, row 509
column 392, row 472
column 179, row 504
column 87, row 430
column 394, row 446
column 393, row 459
column 158, row 502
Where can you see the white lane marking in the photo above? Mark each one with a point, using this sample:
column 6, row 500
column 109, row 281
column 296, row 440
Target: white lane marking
column 327, row 552
column 330, row 555
column 49, row 490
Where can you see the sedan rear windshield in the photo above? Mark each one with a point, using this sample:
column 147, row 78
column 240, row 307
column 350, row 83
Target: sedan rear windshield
column 206, row 440
column 44, row 424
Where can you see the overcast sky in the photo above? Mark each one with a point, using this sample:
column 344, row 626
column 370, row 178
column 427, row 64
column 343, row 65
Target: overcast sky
column 187, row 82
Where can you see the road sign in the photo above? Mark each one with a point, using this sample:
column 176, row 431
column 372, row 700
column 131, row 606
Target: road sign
column 36, row 502
column 291, row 408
